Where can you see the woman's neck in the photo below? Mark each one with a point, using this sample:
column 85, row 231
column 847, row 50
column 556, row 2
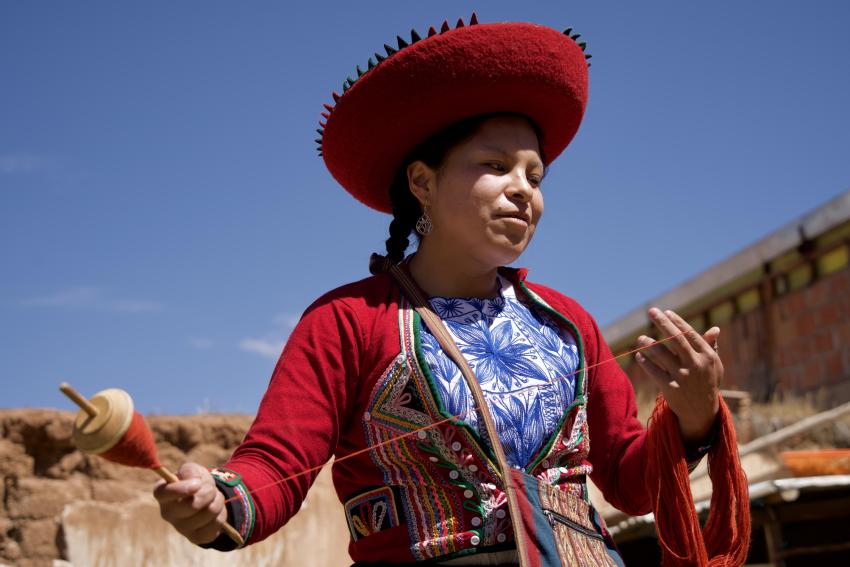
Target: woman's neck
column 452, row 275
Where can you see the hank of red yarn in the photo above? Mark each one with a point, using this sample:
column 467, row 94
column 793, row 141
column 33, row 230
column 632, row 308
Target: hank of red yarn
column 136, row 448
column 725, row 538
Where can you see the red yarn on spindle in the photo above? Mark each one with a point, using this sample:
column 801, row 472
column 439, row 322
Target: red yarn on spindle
column 136, row 448
column 725, row 538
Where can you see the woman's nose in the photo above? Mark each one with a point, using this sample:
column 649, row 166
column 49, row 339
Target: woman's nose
column 520, row 188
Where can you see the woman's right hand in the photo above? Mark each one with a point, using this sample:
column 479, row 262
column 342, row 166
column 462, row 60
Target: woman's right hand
column 193, row 505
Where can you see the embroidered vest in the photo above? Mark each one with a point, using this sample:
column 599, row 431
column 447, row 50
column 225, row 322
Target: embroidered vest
column 440, row 477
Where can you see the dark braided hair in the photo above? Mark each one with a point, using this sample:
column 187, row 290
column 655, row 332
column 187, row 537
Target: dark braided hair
column 405, row 207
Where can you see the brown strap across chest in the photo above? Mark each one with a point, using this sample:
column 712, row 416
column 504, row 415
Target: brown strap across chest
column 438, row 329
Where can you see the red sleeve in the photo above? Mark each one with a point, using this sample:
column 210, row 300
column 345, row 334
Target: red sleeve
column 302, row 412
column 617, row 438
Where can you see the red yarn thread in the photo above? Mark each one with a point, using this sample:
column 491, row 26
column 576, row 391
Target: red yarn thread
column 725, row 538
column 136, row 448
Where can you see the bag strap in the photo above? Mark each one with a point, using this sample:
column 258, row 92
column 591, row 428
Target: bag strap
column 438, row 329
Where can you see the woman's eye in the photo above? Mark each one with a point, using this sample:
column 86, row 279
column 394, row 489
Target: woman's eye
column 495, row 165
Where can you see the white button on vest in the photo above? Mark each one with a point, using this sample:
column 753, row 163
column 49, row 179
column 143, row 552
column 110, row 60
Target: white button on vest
column 473, row 468
column 500, row 513
column 476, row 521
column 475, row 540
column 453, row 475
column 501, row 538
column 468, row 494
column 422, row 435
column 456, row 446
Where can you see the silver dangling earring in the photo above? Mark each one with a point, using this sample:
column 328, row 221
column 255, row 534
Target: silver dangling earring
column 424, row 226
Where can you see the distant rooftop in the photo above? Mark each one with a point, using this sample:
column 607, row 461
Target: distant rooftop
column 752, row 259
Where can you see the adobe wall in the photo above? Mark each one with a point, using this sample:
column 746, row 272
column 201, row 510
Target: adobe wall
column 60, row 507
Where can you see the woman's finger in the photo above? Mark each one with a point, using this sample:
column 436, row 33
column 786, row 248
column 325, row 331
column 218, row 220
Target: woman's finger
column 197, row 521
column 696, row 341
column 206, row 525
column 177, row 512
column 677, row 342
column 205, row 534
column 174, row 491
column 659, row 355
column 183, row 509
column 661, row 377
column 711, row 337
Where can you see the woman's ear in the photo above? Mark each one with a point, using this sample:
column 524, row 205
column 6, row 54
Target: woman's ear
column 421, row 181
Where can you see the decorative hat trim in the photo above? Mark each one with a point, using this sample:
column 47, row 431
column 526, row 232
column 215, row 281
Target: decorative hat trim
column 401, row 43
column 416, row 87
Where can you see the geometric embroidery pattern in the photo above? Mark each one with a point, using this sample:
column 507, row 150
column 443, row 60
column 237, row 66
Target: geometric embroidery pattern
column 371, row 512
column 400, row 403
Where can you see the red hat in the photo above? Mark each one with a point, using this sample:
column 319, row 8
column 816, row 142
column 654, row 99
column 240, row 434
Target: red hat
column 428, row 84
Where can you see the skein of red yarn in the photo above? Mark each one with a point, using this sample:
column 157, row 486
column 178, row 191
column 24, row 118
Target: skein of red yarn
column 725, row 538
column 136, row 448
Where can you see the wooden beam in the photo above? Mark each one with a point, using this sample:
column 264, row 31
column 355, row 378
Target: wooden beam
column 801, row 426
column 767, row 441
column 773, row 539
column 813, row 510
column 816, row 549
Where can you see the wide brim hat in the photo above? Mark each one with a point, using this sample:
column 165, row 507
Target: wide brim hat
column 429, row 83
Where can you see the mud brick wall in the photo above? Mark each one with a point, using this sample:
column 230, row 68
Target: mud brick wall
column 812, row 338
column 796, row 345
column 61, row 507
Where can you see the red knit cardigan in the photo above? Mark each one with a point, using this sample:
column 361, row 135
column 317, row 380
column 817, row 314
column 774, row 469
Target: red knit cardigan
column 331, row 372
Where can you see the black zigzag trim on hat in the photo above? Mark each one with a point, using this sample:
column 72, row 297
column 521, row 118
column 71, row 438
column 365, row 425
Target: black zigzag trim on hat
column 581, row 44
column 401, row 44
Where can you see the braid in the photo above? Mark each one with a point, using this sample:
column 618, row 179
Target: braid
column 406, row 211
column 398, row 241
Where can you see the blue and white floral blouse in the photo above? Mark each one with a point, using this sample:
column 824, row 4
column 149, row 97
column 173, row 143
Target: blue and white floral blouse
column 524, row 362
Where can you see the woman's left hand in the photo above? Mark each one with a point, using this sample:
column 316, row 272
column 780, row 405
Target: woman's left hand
column 688, row 371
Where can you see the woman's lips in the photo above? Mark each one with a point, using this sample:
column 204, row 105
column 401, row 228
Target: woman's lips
column 516, row 217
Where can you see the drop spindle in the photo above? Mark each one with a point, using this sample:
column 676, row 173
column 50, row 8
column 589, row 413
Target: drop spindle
column 108, row 426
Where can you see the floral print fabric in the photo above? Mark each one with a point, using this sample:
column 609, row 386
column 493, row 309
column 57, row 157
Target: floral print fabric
column 524, row 362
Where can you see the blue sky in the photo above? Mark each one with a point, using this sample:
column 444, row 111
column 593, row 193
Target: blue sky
column 164, row 218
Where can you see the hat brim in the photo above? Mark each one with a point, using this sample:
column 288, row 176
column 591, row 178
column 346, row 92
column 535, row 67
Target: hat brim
column 521, row 68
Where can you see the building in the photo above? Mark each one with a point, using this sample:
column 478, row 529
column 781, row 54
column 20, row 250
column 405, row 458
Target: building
column 783, row 305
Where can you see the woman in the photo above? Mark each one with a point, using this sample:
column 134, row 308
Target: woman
column 452, row 134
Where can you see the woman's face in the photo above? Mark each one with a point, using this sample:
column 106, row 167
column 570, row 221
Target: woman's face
column 485, row 202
